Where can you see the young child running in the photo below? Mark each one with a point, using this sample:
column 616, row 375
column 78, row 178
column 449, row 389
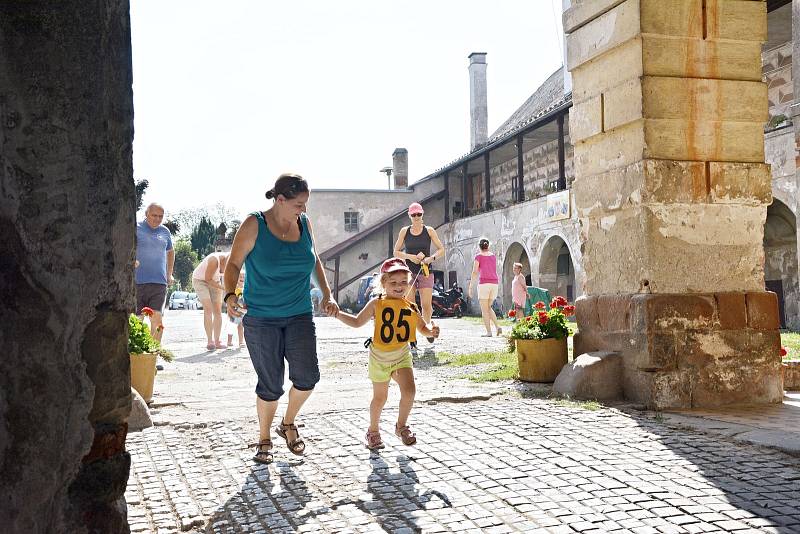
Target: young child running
column 396, row 322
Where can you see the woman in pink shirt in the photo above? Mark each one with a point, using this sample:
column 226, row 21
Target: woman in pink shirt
column 486, row 265
column 519, row 290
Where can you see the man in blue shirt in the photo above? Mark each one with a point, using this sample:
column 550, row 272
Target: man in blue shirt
column 155, row 259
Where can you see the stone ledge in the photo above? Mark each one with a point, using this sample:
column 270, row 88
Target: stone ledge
column 668, row 312
column 688, row 350
column 791, row 375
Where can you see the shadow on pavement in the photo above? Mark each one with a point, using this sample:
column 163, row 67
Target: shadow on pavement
column 747, row 486
column 394, row 495
column 260, row 507
column 210, row 356
column 425, row 359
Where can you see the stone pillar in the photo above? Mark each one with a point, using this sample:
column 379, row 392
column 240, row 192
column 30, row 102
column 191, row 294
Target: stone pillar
column 478, row 103
column 671, row 191
column 66, row 273
column 565, row 5
column 400, row 168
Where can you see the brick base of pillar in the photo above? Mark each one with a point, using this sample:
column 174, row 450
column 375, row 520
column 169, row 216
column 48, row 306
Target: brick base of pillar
column 688, row 350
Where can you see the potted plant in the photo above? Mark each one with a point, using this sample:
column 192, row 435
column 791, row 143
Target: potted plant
column 540, row 340
column 144, row 350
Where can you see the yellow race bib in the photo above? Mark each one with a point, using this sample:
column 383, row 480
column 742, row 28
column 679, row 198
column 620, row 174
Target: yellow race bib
column 395, row 324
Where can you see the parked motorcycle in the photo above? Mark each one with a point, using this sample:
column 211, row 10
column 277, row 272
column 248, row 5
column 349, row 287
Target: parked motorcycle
column 448, row 303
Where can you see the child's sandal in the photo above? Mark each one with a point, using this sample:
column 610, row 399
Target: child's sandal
column 373, row 440
column 263, row 455
column 405, row 434
column 296, row 446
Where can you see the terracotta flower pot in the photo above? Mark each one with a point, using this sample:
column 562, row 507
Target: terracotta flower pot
column 143, row 374
column 540, row 360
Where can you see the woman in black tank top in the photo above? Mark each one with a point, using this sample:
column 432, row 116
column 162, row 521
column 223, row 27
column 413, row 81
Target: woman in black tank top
column 414, row 245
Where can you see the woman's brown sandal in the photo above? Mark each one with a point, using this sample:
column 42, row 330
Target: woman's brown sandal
column 373, row 440
column 405, row 434
column 296, row 446
column 263, row 456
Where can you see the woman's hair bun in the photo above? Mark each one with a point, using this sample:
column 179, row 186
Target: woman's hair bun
column 270, row 193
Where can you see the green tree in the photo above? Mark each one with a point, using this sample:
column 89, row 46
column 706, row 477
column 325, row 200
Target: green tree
column 203, row 236
column 233, row 228
column 141, row 187
column 185, row 261
column 173, row 226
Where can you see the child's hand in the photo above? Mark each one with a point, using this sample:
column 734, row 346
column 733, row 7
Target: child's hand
column 434, row 328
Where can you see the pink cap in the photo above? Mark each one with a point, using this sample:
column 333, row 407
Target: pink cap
column 416, row 207
column 393, row 265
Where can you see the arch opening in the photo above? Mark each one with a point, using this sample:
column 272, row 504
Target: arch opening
column 515, row 253
column 556, row 269
column 780, row 262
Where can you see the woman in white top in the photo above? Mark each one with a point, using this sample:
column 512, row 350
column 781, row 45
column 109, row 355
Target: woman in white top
column 207, row 282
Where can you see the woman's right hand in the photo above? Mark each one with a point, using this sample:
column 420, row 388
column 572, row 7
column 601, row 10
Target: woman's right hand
column 233, row 308
column 415, row 259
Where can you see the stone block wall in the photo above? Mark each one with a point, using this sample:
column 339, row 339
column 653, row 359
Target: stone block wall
column 66, row 274
column 689, row 350
column 540, row 167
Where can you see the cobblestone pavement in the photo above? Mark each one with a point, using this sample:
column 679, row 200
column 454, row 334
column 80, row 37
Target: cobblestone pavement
column 503, row 466
column 201, row 384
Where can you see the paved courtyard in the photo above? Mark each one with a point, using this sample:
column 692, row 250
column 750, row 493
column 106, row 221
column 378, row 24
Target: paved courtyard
column 488, row 460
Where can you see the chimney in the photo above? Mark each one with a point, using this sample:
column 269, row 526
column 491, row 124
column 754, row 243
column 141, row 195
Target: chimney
column 400, row 168
column 565, row 4
column 478, row 114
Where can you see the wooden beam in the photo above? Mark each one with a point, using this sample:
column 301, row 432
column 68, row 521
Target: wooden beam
column 446, row 197
column 520, row 170
column 562, row 175
column 464, row 189
column 487, row 182
column 336, row 279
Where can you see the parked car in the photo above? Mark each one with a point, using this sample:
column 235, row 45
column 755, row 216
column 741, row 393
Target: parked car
column 177, row 300
column 364, row 291
column 193, row 303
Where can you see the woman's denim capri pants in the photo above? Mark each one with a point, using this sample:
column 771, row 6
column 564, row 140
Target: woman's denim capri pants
column 270, row 341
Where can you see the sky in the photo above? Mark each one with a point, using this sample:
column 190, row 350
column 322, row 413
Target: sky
column 228, row 95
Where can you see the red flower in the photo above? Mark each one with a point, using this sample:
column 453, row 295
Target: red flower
column 569, row 310
column 539, row 305
column 529, row 318
column 512, row 313
column 543, row 318
column 553, row 305
column 783, row 351
column 147, row 311
column 561, row 301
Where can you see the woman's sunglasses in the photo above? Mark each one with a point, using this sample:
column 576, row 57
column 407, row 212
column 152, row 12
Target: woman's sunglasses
column 416, row 215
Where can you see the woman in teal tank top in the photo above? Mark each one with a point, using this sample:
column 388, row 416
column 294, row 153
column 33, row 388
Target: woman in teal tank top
column 277, row 248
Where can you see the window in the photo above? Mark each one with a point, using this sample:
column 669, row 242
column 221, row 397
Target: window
column 554, row 185
column 351, row 221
